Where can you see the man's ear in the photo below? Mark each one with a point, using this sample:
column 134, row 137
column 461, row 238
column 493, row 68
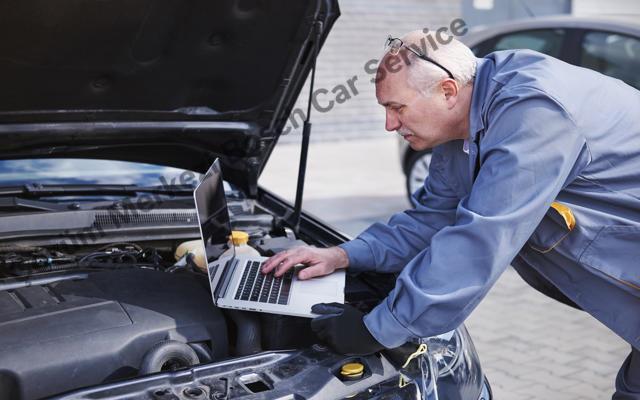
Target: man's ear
column 450, row 90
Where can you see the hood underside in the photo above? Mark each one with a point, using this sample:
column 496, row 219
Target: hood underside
column 173, row 82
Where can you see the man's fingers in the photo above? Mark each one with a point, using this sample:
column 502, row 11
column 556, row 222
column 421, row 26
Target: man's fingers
column 287, row 263
column 284, row 260
column 287, row 260
column 273, row 262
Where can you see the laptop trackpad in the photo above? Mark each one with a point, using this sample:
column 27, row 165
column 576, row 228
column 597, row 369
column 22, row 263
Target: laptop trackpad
column 324, row 285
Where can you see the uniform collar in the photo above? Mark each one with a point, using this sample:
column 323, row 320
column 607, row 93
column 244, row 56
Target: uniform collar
column 484, row 69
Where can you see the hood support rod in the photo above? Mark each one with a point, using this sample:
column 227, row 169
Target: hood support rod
column 306, row 133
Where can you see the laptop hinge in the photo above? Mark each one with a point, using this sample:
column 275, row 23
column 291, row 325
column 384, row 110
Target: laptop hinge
column 225, row 279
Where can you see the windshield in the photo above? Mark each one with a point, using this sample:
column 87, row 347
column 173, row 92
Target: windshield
column 83, row 172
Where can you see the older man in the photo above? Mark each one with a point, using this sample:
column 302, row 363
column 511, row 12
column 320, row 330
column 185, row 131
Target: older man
column 536, row 163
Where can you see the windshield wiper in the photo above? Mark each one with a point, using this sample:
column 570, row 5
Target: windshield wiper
column 37, row 190
column 16, row 203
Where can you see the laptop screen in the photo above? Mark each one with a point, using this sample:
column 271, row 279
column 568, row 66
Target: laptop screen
column 213, row 217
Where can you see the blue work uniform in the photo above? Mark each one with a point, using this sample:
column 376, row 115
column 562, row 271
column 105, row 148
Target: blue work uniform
column 542, row 133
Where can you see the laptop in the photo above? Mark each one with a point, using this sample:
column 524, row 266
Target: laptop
column 236, row 280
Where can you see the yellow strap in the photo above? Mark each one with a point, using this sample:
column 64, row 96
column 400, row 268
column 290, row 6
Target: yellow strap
column 566, row 213
column 404, row 381
column 421, row 350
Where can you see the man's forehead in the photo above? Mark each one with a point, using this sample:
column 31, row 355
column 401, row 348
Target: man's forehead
column 390, row 95
column 390, row 85
column 391, row 68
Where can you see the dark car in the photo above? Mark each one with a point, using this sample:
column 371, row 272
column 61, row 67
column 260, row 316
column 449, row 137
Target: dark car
column 610, row 45
column 109, row 112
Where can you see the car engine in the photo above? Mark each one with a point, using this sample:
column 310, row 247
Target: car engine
column 91, row 314
column 61, row 331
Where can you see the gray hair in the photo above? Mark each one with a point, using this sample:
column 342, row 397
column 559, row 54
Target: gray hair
column 450, row 53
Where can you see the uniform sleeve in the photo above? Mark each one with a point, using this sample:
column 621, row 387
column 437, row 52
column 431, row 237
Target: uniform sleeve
column 389, row 247
column 529, row 149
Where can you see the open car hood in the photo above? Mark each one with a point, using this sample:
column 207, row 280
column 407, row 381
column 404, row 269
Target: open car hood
column 170, row 82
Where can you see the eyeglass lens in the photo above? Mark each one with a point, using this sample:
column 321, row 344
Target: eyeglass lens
column 393, row 45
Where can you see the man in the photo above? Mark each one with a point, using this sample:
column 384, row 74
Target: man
column 536, row 163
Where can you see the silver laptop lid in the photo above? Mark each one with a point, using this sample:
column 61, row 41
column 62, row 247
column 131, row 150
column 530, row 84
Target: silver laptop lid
column 215, row 227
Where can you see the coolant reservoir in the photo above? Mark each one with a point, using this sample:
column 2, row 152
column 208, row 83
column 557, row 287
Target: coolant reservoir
column 240, row 240
column 196, row 248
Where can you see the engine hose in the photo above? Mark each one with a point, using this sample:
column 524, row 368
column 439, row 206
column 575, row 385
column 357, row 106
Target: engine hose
column 249, row 334
column 98, row 264
column 45, row 279
column 168, row 355
column 22, row 249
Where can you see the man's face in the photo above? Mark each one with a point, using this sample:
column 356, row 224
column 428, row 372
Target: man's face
column 422, row 120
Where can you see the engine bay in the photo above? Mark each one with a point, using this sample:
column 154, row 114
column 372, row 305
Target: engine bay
column 79, row 315
column 71, row 330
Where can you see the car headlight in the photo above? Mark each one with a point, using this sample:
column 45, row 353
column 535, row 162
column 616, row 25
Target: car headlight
column 454, row 362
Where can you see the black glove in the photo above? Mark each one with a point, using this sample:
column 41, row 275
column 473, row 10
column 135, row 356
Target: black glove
column 341, row 326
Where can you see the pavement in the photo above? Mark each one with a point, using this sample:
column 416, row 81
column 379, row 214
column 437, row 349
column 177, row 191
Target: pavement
column 531, row 347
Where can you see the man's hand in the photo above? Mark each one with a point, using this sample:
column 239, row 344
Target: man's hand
column 319, row 261
column 341, row 327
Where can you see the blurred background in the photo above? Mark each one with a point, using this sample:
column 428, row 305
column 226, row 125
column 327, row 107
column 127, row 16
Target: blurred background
column 531, row 347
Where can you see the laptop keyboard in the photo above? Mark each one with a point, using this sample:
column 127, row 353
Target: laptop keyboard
column 255, row 286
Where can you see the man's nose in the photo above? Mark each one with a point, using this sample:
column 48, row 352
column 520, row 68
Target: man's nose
column 392, row 122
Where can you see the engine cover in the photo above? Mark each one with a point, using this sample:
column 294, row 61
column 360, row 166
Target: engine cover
column 75, row 333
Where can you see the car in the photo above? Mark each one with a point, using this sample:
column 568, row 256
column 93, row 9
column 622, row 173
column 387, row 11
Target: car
column 607, row 44
column 109, row 115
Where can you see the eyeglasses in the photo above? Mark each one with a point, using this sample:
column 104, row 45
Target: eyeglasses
column 393, row 45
